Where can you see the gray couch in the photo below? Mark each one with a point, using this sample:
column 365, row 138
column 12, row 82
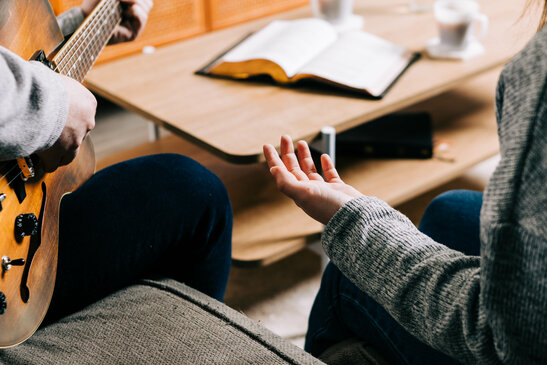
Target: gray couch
column 156, row 322
column 165, row 322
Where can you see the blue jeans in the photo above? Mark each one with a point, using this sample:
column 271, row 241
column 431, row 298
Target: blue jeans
column 157, row 215
column 341, row 310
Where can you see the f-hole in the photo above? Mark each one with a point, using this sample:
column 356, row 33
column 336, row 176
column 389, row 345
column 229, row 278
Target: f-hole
column 35, row 242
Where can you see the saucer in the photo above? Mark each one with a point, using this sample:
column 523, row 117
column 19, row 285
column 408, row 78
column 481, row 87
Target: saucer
column 437, row 50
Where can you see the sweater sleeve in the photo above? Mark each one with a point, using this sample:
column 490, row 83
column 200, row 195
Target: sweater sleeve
column 70, row 20
column 431, row 290
column 33, row 106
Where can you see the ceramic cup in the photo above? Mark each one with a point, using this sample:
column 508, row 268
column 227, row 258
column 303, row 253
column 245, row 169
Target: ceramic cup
column 456, row 20
column 333, row 11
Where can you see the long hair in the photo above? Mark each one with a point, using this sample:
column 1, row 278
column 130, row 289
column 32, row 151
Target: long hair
column 543, row 19
column 542, row 4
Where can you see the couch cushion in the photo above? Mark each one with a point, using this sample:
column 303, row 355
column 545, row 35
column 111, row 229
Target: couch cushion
column 156, row 321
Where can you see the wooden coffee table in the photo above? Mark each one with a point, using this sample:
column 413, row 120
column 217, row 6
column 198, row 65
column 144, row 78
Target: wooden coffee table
column 227, row 122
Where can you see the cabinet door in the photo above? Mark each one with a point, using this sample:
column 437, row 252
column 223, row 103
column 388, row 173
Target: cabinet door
column 223, row 13
column 169, row 21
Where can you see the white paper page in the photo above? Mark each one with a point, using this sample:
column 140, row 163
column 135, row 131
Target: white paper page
column 290, row 44
column 360, row 60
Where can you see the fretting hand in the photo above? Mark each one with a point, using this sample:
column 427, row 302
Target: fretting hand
column 297, row 178
column 134, row 19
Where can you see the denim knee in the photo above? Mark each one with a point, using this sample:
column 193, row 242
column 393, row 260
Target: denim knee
column 453, row 219
column 199, row 182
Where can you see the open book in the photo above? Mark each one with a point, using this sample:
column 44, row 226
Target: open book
column 310, row 48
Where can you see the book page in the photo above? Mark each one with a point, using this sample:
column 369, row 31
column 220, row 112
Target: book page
column 360, row 60
column 290, row 44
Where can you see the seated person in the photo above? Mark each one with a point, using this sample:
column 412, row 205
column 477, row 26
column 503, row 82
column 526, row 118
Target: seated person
column 471, row 284
column 129, row 238
column 164, row 214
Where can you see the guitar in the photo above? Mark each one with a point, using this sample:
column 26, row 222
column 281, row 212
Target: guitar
column 29, row 200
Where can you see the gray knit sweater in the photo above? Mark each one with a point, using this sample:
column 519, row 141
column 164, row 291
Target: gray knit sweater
column 487, row 309
column 33, row 100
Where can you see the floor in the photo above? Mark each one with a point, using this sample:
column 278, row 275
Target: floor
column 278, row 296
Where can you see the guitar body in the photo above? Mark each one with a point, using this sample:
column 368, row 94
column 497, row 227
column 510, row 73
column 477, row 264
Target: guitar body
column 27, row 26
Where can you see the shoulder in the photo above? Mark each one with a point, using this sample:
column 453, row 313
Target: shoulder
column 530, row 64
column 522, row 86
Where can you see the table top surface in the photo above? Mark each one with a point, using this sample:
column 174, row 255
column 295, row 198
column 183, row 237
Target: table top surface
column 233, row 119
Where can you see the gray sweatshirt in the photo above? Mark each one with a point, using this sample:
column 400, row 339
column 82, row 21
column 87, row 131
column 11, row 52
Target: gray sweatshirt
column 33, row 100
column 488, row 309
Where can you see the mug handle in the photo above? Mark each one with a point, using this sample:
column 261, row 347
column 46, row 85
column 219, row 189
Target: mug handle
column 483, row 19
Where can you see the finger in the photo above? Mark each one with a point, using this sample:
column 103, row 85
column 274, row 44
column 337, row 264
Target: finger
column 286, row 182
column 146, row 4
column 134, row 20
column 289, row 158
column 306, row 161
column 121, row 34
column 137, row 18
column 272, row 158
column 329, row 171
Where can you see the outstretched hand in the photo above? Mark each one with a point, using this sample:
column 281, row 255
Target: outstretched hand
column 297, row 177
column 135, row 16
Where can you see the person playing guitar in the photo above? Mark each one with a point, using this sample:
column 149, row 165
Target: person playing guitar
column 163, row 214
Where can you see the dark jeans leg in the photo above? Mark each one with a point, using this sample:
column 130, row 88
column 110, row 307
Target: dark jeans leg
column 341, row 310
column 157, row 215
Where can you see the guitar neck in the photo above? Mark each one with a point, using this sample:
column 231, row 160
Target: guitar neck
column 80, row 52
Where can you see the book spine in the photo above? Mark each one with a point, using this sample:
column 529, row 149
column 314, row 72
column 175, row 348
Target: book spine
column 387, row 151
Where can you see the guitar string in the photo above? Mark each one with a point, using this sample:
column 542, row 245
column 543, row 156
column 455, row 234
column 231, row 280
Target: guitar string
column 69, row 56
column 97, row 44
column 76, row 41
column 109, row 10
column 4, row 176
column 7, row 173
column 12, row 180
column 99, row 22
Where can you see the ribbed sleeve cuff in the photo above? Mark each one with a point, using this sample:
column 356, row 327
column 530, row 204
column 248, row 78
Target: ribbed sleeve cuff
column 359, row 211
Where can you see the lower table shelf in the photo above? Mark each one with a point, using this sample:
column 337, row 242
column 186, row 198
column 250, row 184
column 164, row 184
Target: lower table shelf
column 269, row 226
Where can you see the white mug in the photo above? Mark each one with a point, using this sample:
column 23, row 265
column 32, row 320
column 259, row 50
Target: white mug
column 456, row 20
column 333, row 11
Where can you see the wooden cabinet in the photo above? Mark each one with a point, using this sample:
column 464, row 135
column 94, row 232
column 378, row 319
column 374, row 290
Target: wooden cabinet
column 223, row 13
column 169, row 21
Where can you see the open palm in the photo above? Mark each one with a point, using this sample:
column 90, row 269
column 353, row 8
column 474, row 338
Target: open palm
column 297, row 177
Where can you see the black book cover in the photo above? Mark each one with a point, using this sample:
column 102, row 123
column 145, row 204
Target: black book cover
column 402, row 135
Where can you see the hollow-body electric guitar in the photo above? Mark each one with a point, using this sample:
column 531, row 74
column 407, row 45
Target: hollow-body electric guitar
column 29, row 200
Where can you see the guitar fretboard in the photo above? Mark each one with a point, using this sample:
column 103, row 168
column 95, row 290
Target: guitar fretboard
column 80, row 52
